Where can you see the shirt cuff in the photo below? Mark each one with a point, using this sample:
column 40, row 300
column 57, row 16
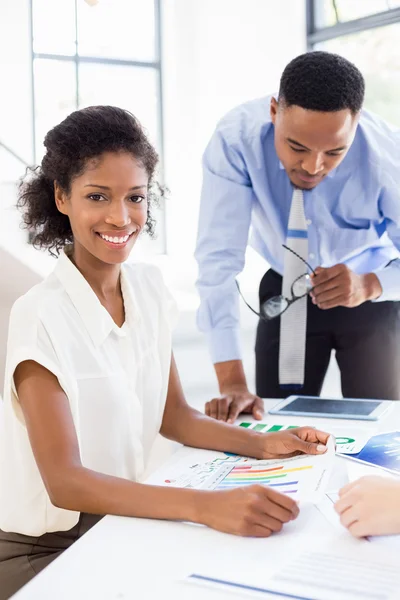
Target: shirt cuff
column 224, row 345
column 389, row 279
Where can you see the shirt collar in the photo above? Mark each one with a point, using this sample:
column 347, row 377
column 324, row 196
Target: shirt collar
column 330, row 174
column 95, row 317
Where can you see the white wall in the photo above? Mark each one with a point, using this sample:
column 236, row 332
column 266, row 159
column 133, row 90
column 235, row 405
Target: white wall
column 217, row 54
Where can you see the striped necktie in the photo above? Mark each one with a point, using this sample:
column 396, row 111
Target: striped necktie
column 292, row 344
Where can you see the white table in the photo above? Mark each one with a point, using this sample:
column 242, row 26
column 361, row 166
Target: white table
column 129, row 558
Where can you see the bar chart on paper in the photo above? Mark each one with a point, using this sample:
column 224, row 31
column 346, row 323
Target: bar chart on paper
column 303, row 477
column 286, row 479
column 266, row 427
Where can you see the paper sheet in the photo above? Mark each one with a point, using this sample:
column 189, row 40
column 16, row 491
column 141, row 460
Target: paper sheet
column 341, row 569
column 304, row 477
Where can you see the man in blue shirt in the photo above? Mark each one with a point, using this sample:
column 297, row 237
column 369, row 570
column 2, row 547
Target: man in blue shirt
column 313, row 136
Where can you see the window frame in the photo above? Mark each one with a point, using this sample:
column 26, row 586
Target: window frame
column 155, row 64
column 316, row 35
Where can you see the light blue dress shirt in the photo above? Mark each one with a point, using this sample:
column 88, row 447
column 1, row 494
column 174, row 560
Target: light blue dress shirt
column 353, row 215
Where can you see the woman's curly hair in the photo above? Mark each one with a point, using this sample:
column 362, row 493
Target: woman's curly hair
column 84, row 135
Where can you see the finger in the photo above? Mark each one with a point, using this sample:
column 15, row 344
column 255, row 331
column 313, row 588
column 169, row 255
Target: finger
column 236, row 407
column 282, row 500
column 325, row 287
column 223, row 408
column 323, row 275
column 258, row 408
column 269, row 522
column 307, row 447
column 214, row 408
column 343, row 504
column 278, row 512
column 341, row 300
column 348, row 517
column 359, row 529
column 258, row 531
column 309, row 434
column 348, row 487
column 324, row 296
column 207, row 409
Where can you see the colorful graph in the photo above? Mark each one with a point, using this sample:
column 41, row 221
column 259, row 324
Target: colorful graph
column 285, row 479
column 265, row 427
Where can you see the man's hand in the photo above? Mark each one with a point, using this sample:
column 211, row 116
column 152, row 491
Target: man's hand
column 233, row 402
column 339, row 286
column 370, row 506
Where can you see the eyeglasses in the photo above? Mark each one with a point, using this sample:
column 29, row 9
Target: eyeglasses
column 277, row 305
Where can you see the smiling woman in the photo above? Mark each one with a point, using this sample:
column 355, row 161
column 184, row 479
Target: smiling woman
column 90, row 376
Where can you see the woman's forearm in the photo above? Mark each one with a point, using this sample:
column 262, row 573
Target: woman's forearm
column 83, row 490
column 193, row 428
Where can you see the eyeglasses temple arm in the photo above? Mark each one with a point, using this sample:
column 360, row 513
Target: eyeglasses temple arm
column 300, row 257
column 245, row 301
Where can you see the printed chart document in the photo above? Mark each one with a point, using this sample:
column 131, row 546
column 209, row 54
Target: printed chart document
column 303, row 477
column 382, row 451
column 340, row 569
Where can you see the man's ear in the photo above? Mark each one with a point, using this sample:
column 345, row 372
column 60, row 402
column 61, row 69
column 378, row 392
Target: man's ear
column 60, row 199
column 273, row 109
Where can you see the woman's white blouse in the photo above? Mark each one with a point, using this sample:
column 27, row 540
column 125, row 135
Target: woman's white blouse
column 116, row 381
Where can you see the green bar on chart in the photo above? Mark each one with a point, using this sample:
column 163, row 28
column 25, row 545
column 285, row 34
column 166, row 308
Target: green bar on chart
column 244, row 424
column 275, row 428
column 260, row 426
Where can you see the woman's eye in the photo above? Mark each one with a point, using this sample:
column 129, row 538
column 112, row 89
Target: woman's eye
column 296, row 149
column 96, row 197
column 137, row 199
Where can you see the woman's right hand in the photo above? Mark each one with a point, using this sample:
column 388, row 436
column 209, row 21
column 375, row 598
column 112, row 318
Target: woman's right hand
column 253, row 511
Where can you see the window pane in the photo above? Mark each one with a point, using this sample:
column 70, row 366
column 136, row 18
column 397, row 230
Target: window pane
column 348, row 10
column 135, row 89
column 117, row 29
column 54, row 26
column 372, row 52
column 132, row 88
column 55, row 96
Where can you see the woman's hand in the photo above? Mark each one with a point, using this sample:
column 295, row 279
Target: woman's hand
column 291, row 442
column 370, row 506
column 254, row 510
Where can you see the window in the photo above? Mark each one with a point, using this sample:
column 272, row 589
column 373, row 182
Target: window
column 365, row 32
column 87, row 52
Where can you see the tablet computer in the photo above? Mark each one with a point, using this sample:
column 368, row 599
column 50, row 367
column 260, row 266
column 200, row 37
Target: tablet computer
column 334, row 408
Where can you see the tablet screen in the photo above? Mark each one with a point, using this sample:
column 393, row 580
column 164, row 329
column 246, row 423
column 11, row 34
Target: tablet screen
column 307, row 404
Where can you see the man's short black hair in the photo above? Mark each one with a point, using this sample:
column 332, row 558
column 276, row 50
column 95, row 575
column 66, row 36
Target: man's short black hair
column 322, row 81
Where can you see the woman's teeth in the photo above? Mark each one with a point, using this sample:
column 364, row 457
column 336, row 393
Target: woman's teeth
column 115, row 239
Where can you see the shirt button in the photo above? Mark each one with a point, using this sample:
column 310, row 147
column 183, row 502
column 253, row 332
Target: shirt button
column 309, row 222
column 311, row 255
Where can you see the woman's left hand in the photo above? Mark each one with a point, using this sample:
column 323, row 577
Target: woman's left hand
column 291, row 442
